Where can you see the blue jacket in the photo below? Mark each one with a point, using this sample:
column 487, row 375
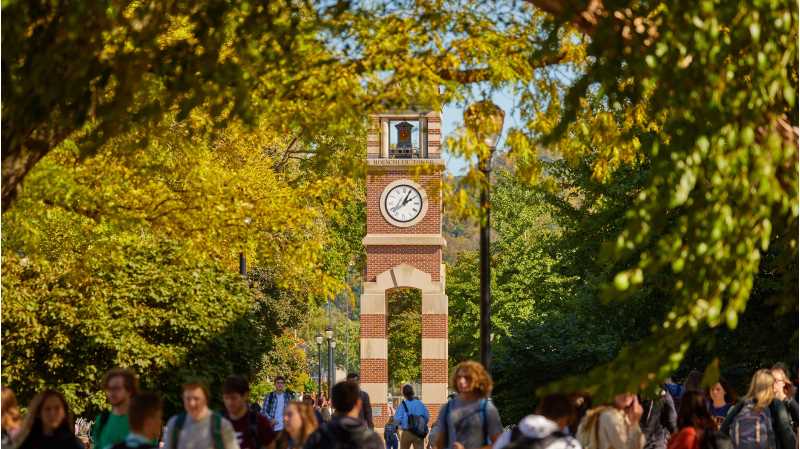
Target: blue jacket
column 415, row 407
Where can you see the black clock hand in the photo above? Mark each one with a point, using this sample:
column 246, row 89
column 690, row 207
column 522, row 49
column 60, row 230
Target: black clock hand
column 406, row 200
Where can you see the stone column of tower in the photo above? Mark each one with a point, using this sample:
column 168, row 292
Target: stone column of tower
column 404, row 249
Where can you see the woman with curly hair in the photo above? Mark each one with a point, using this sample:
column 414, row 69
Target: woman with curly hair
column 49, row 424
column 469, row 420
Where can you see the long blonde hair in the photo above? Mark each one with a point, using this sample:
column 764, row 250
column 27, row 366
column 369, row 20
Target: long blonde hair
column 761, row 389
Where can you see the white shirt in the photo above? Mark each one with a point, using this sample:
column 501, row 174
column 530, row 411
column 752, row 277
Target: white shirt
column 279, row 406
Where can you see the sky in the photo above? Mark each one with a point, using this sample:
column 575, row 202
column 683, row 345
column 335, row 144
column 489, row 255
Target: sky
column 453, row 118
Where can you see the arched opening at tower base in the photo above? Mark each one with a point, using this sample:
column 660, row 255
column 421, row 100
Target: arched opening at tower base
column 404, row 332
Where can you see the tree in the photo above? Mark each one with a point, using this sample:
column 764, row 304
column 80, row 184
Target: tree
column 404, row 328
column 704, row 95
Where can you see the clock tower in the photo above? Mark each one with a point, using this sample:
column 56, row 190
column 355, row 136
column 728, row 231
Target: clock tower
column 404, row 249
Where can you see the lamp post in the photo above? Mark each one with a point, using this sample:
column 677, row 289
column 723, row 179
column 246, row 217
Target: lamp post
column 485, row 120
column 332, row 358
column 319, row 339
column 242, row 260
column 329, row 337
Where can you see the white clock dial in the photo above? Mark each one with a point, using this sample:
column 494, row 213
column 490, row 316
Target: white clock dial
column 403, row 203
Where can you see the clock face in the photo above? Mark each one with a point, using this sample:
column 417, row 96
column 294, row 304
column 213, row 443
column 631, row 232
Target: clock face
column 403, row 203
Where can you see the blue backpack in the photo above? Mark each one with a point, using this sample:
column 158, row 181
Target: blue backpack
column 751, row 428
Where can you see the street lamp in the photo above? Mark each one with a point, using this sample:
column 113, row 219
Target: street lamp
column 329, row 336
column 242, row 260
column 485, row 120
column 319, row 339
column 332, row 358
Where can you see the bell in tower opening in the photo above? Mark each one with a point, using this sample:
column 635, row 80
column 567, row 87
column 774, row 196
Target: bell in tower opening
column 404, row 148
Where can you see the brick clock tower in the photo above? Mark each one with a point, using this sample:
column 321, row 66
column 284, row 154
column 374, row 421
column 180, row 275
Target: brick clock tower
column 404, row 249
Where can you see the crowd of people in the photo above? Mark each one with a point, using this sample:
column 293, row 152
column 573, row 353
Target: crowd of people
column 681, row 416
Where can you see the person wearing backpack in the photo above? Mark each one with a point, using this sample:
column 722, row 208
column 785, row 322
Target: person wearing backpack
column 145, row 417
column 469, row 420
column 412, row 415
column 198, row 427
column 111, row 427
column 659, row 420
column 546, row 429
column 346, row 430
column 760, row 421
column 253, row 431
column 697, row 426
column 614, row 426
column 275, row 402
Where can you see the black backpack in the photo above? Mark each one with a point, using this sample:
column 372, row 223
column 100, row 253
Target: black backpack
column 416, row 424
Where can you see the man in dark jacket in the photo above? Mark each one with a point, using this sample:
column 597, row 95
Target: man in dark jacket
column 366, row 407
column 659, row 420
column 346, row 430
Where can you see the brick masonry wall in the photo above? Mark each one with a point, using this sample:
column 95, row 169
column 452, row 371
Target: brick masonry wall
column 434, row 371
column 434, row 326
column 423, row 258
column 377, row 180
column 373, row 326
column 374, row 371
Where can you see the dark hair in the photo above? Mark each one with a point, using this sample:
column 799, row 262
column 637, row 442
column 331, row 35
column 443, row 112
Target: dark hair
column 144, row 405
column 344, row 396
column 353, row 376
column 33, row 422
column 408, row 391
column 581, row 402
column 555, row 407
column 693, row 411
column 277, row 378
column 730, row 394
column 783, row 367
column 235, row 385
column 128, row 377
column 693, row 380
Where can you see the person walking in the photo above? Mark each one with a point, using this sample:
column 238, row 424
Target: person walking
column 366, row 406
column 659, row 420
column 145, row 417
column 299, row 422
column 412, row 416
column 546, row 429
column 346, row 429
column 614, row 426
column 253, row 431
column 48, row 424
column 390, row 433
column 111, row 427
column 696, row 425
column 309, row 401
column 783, row 391
column 469, row 420
column 721, row 398
column 198, row 427
column 760, row 414
column 275, row 403
column 11, row 418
